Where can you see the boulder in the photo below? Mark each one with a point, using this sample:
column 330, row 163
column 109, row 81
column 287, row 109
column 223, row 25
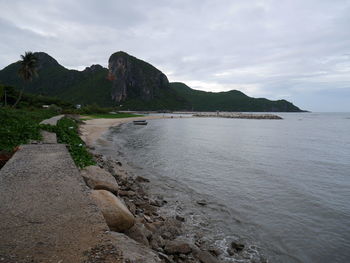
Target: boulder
column 116, row 214
column 133, row 251
column 177, row 247
column 98, row 179
column 139, row 233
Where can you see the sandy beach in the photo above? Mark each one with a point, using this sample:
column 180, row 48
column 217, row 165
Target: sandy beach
column 94, row 128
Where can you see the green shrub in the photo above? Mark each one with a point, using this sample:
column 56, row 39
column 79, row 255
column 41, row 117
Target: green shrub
column 19, row 126
column 94, row 108
column 55, row 108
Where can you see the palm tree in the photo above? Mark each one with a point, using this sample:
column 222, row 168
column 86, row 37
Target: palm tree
column 27, row 70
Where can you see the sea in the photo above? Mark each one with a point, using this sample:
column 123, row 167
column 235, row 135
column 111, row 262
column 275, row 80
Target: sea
column 282, row 187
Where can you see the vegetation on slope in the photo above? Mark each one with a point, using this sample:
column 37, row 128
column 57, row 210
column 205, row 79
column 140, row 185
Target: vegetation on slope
column 165, row 100
column 92, row 86
column 78, row 87
column 233, row 100
column 29, row 101
column 18, row 126
column 110, row 116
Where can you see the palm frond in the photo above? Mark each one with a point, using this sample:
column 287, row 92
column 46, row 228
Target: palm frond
column 29, row 65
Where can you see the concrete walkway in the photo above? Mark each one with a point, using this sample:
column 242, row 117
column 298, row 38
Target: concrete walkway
column 46, row 213
column 53, row 120
column 49, row 137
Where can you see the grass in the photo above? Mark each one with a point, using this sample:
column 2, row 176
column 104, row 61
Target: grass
column 109, row 116
column 19, row 126
column 67, row 133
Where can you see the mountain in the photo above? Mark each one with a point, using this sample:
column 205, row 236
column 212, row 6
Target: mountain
column 134, row 78
column 130, row 83
column 83, row 87
column 232, row 100
column 138, row 85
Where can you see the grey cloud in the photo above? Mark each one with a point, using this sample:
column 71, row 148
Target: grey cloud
column 278, row 49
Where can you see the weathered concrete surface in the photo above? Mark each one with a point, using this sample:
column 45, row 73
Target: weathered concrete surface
column 53, row 120
column 49, row 137
column 46, row 212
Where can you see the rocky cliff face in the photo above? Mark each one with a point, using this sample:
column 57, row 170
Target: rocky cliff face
column 134, row 78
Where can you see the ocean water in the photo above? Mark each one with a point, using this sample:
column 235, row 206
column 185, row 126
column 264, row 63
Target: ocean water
column 281, row 186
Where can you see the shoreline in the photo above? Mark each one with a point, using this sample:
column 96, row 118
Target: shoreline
column 93, row 129
column 150, row 208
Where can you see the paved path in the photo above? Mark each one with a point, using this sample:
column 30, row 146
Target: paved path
column 53, row 120
column 46, row 214
column 49, row 137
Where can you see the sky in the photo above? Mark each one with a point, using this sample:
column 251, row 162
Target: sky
column 298, row 50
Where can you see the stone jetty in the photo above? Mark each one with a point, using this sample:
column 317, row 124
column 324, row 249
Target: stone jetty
column 238, row 115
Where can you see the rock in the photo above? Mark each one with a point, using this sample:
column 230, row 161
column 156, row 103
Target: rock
column 157, row 242
column 99, row 179
column 126, row 193
column 117, row 216
column 180, row 218
column 165, row 257
column 237, row 246
column 142, row 179
column 148, row 219
column 205, row 257
column 157, row 202
column 202, row 202
column 133, row 251
column 230, row 251
column 154, row 226
column 170, row 229
column 147, row 208
column 215, row 251
column 139, row 233
column 177, row 247
column 131, row 206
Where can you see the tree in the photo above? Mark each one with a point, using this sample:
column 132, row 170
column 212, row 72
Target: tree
column 2, row 92
column 27, row 70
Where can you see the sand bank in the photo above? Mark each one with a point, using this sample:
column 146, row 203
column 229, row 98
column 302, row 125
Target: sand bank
column 93, row 129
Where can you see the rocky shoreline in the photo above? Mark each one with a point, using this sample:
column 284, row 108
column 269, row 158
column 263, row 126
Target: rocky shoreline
column 158, row 237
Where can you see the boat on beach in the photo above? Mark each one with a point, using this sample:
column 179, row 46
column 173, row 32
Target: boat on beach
column 140, row 122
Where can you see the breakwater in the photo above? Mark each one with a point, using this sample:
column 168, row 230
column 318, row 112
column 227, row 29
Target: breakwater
column 238, row 115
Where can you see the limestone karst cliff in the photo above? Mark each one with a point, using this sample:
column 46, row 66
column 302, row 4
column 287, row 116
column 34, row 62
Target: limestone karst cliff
column 134, row 78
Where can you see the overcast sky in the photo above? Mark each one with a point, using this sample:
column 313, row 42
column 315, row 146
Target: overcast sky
column 297, row 50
